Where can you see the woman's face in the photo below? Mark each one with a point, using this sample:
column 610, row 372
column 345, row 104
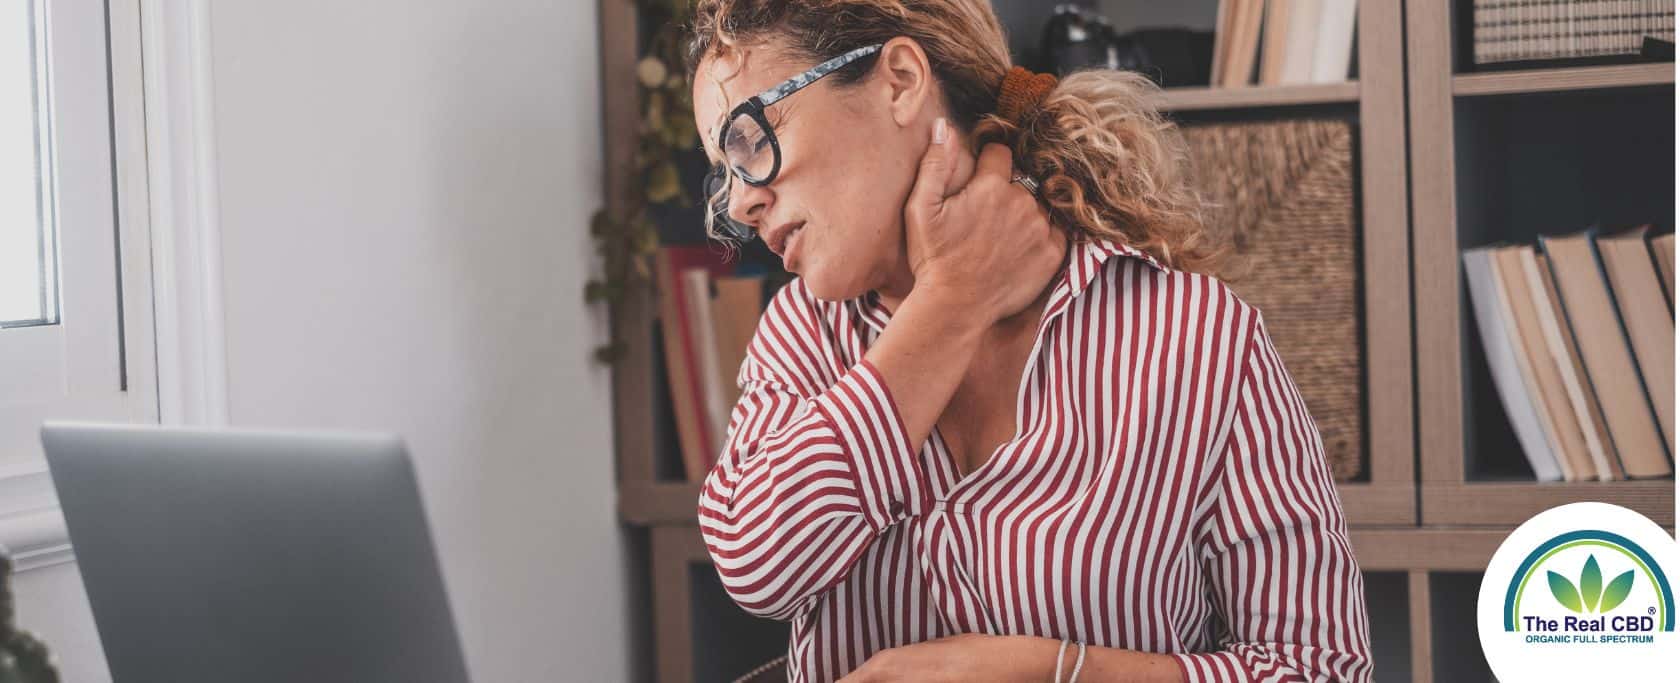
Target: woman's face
column 849, row 158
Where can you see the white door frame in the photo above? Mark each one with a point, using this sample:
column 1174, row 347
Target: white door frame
column 185, row 215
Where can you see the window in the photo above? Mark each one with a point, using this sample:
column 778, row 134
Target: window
column 63, row 351
column 28, row 248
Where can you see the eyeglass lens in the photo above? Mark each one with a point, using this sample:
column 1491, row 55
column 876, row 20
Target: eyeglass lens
column 747, row 147
column 717, row 194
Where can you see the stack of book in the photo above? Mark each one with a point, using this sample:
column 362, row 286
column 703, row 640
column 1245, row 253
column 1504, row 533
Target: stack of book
column 1528, row 30
column 1292, row 41
column 1579, row 338
column 707, row 315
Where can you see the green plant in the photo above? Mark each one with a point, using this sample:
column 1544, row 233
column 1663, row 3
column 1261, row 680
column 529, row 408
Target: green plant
column 625, row 235
column 23, row 659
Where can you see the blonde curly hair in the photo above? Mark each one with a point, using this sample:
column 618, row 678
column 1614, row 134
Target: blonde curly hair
column 1108, row 163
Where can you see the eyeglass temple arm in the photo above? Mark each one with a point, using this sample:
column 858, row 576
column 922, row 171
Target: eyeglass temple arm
column 792, row 85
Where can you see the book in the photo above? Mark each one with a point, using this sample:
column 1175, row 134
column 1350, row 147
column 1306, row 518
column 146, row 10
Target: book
column 1592, row 317
column 1561, row 342
column 1333, row 54
column 1662, row 251
column 735, row 311
column 1547, row 390
column 697, row 289
column 682, row 362
column 1221, row 41
column 1301, row 41
column 1650, row 331
column 1222, row 37
column 1492, row 320
column 1273, row 39
column 1241, row 40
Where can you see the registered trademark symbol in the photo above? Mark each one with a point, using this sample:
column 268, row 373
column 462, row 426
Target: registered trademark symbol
column 1650, row 610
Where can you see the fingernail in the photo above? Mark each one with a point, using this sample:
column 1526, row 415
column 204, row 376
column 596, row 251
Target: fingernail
column 939, row 131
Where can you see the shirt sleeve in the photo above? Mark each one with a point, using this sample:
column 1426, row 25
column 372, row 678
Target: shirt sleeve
column 807, row 478
column 1275, row 548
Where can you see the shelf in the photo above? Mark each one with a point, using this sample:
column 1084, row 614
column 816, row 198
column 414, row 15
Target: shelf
column 659, row 503
column 1424, row 549
column 1200, row 98
column 1367, row 504
column 675, row 503
column 1554, row 80
column 1507, row 504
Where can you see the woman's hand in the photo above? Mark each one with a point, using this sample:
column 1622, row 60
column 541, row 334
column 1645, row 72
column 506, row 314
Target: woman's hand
column 965, row 657
column 988, row 245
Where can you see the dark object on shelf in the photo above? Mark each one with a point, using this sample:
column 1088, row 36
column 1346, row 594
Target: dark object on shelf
column 1172, row 57
column 1285, row 191
column 1657, row 49
column 23, row 659
column 1076, row 38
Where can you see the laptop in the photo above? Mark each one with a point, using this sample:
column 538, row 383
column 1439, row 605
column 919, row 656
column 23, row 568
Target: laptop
column 253, row 556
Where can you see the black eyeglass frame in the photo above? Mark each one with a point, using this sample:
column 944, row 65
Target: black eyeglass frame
column 754, row 107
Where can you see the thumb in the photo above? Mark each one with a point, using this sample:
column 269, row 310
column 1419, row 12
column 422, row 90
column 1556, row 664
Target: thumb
column 935, row 171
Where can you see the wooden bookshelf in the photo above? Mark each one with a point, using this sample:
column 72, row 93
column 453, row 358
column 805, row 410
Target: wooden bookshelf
column 654, row 503
column 1436, row 497
column 1565, row 79
column 1488, row 152
column 1198, row 98
column 1506, row 504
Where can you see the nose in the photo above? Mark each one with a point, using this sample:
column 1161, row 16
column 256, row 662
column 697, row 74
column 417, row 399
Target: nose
column 749, row 203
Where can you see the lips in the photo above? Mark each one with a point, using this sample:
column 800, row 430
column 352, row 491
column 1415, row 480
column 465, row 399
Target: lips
column 777, row 239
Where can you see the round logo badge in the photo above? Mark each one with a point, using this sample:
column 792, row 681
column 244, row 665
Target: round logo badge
column 1581, row 592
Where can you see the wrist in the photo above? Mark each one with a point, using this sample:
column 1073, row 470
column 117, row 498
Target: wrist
column 1035, row 659
column 956, row 312
column 956, row 308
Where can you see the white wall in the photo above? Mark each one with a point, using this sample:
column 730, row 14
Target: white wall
column 405, row 187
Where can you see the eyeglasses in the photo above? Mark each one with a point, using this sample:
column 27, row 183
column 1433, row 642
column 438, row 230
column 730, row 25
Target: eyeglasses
column 748, row 142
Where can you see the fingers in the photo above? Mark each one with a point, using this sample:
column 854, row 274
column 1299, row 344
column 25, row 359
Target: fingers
column 996, row 160
column 937, row 166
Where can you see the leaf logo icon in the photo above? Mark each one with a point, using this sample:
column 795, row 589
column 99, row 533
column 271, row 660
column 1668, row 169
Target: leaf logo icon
column 1593, row 595
column 1617, row 591
column 1592, row 583
column 1564, row 591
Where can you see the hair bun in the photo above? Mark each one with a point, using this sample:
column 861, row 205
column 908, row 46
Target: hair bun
column 1022, row 92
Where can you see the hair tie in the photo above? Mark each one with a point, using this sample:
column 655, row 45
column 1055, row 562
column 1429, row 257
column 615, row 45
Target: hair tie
column 1022, row 93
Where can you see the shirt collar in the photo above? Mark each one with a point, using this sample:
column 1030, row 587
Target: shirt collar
column 1091, row 253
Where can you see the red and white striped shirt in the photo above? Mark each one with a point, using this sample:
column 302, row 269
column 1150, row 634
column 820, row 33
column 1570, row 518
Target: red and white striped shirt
column 1166, row 490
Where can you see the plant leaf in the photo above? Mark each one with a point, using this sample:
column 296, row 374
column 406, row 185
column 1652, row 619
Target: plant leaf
column 1591, row 583
column 1617, row 591
column 1564, row 591
column 601, row 223
column 594, row 291
column 662, row 182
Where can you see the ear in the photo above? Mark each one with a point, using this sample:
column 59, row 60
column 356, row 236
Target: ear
column 904, row 70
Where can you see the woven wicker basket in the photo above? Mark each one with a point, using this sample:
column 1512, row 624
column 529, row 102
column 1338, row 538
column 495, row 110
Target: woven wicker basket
column 1285, row 192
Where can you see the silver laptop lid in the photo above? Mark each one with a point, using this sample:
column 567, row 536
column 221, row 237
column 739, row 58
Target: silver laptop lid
column 253, row 556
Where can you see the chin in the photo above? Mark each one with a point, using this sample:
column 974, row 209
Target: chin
column 825, row 286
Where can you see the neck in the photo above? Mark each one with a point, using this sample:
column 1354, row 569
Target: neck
column 894, row 293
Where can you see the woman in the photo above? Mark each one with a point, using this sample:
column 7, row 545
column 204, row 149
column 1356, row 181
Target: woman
column 1002, row 426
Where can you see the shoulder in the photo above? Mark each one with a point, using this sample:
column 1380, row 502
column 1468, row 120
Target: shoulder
column 794, row 341
column 1195, row 306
